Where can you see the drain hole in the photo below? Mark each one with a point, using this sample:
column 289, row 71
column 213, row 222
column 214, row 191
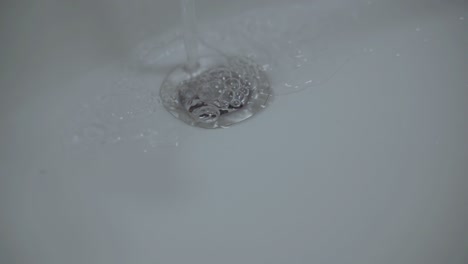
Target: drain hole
column 206, row 114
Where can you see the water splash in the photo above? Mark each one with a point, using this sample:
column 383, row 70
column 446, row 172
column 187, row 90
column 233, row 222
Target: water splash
column 128, row 110
column 299, row 46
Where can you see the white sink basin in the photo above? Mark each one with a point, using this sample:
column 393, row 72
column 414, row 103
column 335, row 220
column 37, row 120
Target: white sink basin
column 367, row 165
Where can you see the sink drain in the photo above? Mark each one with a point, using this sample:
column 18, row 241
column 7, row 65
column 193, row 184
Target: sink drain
column 225, row 94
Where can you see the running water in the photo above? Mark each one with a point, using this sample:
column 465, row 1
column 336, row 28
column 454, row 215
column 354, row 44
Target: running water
column 213, row 91
column 297, row 45
column 190, row 33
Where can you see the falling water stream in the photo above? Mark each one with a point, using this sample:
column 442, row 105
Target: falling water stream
column 299, row 46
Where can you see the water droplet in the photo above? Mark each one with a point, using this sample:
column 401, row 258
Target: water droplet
column 244, row 91
column 227, row 95
column 461, row 18
column 236, row 103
